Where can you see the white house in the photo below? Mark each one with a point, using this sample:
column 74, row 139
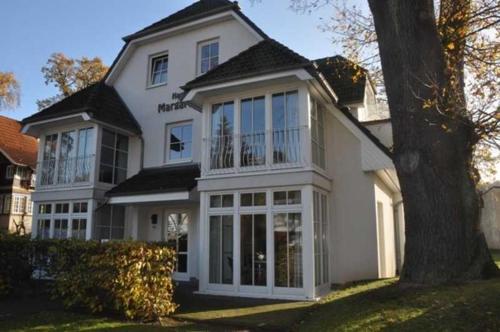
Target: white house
column 248, row 158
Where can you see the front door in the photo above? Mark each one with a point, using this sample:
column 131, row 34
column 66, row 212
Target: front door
column 175, row 233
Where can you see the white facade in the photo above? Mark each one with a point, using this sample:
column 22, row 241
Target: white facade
column 280, row 209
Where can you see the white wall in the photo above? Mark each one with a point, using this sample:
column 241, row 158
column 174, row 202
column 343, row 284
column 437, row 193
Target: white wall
column 131, row 83
column 353, row 225
column 385, row 231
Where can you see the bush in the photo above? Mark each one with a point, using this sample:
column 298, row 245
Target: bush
column 131, row 278
column 15, row 267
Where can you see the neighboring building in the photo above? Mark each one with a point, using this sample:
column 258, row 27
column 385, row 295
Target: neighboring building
column 490, row 215
column 239, row 152
column 17, row 164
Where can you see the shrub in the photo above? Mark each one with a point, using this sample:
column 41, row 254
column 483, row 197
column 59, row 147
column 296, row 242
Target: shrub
column 15, row 267
column 131, row 278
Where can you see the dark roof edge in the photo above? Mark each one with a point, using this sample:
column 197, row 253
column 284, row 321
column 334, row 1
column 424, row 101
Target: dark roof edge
column 148, row 31
column 253, row 74
column 75, row 112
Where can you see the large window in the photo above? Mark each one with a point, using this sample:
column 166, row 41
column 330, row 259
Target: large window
column 253, row 250
column 176, row 229
column 179, row 142
column 43, row 231
column 320, row 222
column 222, row 153
column 286, row 131
column 60, row 228
column 110, row 224
column 159, row 70
column 67, row 153
column 19, row 204
column 208, row 56
column 253, row 132
column 318, row 133
column 221, row 249
column 114, row 155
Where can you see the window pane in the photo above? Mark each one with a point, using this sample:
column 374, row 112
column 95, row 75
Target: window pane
column 214, row 62
column 120, row 175
column 246, row 116
column 186, row 150
column 118, row 220
column 215, row 249
column 227, row 249
column 280, row 198
column 278, row 110
column 295, row 249
column 246, row 250
column 106, row 174
column 83, row 207
column 259, row 199
column 294, row 197
column 214, row 49
column 108, row 138
column 187, row 133
column 205, row 65
column 227, row 200
column 121, row 159
column 107, row 156
column 175, row 151
column 182, row 263
column 259, row 115
column 205, row 51
column 122, row 142
column 246, row 199
column 292, row 109
column 260, row 261
column 215, row 201
column 280, row 250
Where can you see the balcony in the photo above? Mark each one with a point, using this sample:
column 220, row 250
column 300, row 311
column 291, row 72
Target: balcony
column 265, row 150
column 67, row 171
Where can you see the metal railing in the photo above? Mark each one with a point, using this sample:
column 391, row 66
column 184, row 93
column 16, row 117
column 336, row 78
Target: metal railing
column 276, row 148
column 65, row 170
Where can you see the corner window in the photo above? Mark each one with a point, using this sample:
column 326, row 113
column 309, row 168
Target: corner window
column 114, row 156
column 318, row 134
column 208, row 56
column 179, row 142
column 159, row 70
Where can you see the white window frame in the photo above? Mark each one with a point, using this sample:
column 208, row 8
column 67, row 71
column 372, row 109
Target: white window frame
column 168, row 131
column 199, row 55
column 70, row 216
column 115, row 149
column 17, row 204
column 151, row 63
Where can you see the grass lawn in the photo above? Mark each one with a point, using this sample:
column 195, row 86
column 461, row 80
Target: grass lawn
column 368, row 306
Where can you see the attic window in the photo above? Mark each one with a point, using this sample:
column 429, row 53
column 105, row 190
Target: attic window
column 208, row 55
column 159, row 70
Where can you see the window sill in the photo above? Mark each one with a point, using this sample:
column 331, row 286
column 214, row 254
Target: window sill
column 156, row 85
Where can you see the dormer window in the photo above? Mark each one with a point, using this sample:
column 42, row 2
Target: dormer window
column 158, row 70
column 208, row 55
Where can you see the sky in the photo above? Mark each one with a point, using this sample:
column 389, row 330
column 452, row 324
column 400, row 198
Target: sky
column 31, row 30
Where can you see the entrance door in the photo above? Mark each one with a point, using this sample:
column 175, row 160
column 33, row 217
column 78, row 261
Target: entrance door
column 175, row 233
column 253, row 260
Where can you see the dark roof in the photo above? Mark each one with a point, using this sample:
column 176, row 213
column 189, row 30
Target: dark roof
column 99, row 100
column 267, row 56
column 195, row 11
column 159, row 180
column 346, row 78
column 18, row 148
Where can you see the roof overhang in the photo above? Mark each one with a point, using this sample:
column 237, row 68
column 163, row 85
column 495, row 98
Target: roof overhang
column 132, row 44
column 150, row 198
column 13, row 161
column 195, row 96
column 38, row 126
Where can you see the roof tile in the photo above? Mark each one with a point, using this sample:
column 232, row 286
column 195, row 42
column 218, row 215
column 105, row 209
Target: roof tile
column 21, row 149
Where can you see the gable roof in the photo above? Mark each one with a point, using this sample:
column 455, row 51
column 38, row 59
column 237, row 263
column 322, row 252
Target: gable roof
column 193, row 12
column 100, row 101
column 20, row 149
column 159, row 180
column 346, row 78
column 267, row 56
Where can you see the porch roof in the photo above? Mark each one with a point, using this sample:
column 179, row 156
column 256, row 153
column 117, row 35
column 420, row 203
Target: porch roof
column 158, row 180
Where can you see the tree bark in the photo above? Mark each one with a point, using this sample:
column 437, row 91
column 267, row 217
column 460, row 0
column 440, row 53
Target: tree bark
column 433, row 142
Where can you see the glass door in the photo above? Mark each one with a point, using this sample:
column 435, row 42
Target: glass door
column 175, row 233
column 253, row 250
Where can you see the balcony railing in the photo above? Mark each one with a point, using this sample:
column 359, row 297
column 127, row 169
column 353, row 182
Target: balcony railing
column 276, row 148
column 65, row 170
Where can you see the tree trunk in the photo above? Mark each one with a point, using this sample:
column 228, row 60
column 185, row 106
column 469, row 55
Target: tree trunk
column 433, row 143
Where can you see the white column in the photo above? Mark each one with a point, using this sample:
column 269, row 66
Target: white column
column 134, row 222
column 91, row 214
column 203, row 256
column 305, row 125
column 236, row 242
column 308, row 241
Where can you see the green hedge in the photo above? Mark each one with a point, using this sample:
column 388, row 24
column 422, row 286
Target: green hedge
column 130, row 278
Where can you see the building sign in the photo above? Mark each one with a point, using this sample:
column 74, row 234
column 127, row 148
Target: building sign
column 178, row 104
